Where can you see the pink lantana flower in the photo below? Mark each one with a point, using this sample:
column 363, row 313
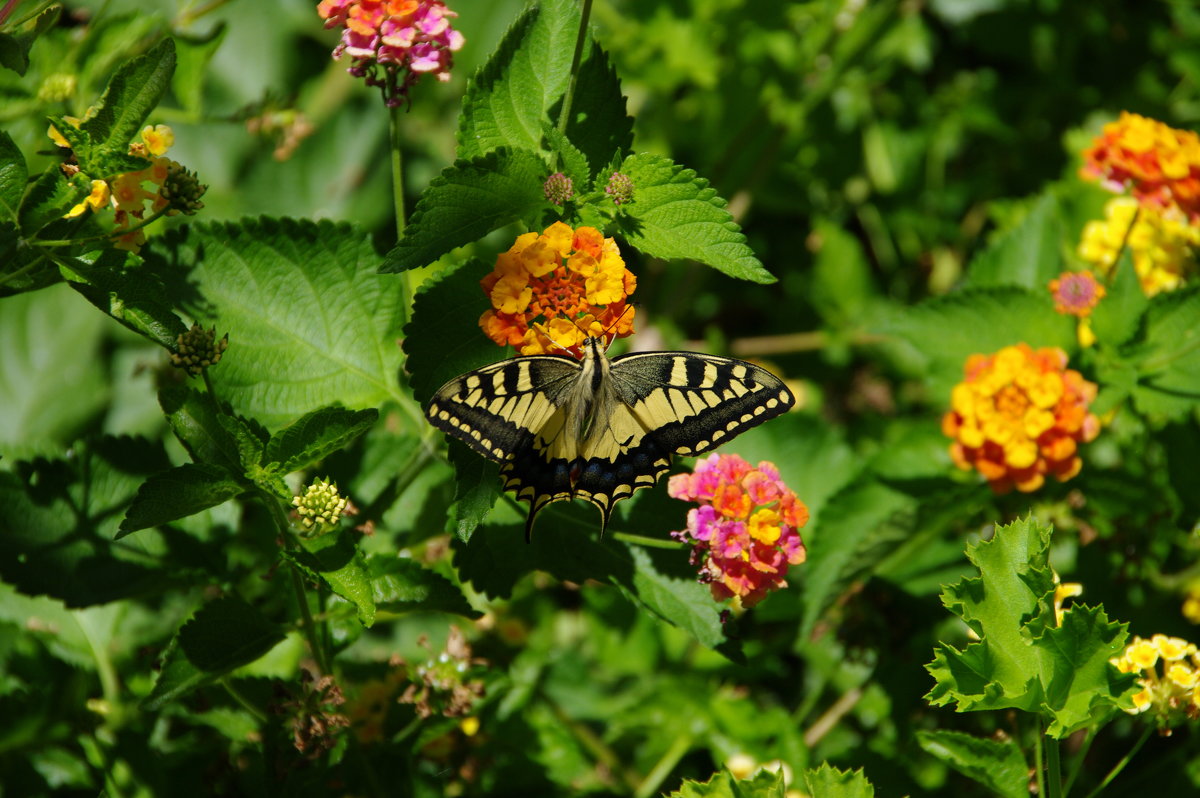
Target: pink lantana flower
column 745, row 533
column 393, row 42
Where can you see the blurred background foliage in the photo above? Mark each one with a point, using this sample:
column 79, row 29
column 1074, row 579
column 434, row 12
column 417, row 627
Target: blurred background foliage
column 868, row 149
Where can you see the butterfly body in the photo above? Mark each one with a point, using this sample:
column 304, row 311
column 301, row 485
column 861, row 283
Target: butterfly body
column 601, row 429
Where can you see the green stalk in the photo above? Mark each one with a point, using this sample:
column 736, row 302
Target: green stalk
column 565, row 115
column 1054, row 788
column 1117, row 768
column 242, row 701
column 406, row 288
column 1038, row 763
column 652, row 783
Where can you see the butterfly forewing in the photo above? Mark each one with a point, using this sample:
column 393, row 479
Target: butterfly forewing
column 600, row 430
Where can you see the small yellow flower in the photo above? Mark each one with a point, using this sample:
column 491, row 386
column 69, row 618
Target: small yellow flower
column 158, row 139
column 1164, row 244
column 96, row 200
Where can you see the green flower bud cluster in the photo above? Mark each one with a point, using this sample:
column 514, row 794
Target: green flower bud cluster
column 198, row 348
column 319, row 508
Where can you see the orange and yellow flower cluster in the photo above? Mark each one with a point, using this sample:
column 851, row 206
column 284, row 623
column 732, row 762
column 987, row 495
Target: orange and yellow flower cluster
column 745, row 533
column 1160, row 165
column 1163, row 243
column 126, row 194
column 552, row 290
column 1172, row 691
column 1019, row 416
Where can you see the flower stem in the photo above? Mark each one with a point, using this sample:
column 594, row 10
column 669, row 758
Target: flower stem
column 397, row 171
column 310, row 626
column 242, row 701
column 648, row 542
column 569, row 97
column 1117, row 768
column 1053, row 770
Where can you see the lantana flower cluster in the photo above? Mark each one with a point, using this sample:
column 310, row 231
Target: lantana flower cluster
column 176, row 190
column 392, row 43
column 1163, row 243
column 1169, row 675
column 552, row 290
column 1019, row 416
column 1158, row 164
column 745, row 533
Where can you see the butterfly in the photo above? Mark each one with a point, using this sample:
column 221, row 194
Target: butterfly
column 600, row 429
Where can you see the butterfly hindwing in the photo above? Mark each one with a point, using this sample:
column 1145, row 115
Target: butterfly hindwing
column 600, row 430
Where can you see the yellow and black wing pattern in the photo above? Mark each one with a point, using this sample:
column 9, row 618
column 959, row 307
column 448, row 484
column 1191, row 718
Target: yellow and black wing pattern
column 600, row 429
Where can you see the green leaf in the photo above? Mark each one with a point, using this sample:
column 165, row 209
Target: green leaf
column 182, row 491
column 334, row 558
column 1167, row 356
column 599, row 125
column 400, row 585
column 317, row 435
column 468, row 200
column 309, row 323
column 675, row 215
column 857, row 529
column 194, row 53
column 1116, row 318
column 1026, row 255
column 223, row 635
column 60, row 518
column 251, row 441
column 1023, row 659
column 13, row 175
column 197, row 423
column 947, row 330
column 133, row 92
column 829, row 782
column 762, row 784
column 50, row 196
column 508, row 100
column 476, row 488
column 843, row 285
column 997, row 765
column 443, row 339
column 572, row 162
column 112, row 281
column 15, row 47
column 50, row 340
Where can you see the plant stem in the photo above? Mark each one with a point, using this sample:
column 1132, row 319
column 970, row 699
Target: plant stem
column 1117, row 768
column 310, row 626
column 1038, row 763
column 569, row 97
column 1078, row 757
column 648, row 542
column 397, row 171
column 651, row 783
column 1054, row 785
column 242, row 701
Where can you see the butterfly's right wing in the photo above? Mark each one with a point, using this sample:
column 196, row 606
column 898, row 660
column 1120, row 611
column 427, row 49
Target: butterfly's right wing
column 498, row 410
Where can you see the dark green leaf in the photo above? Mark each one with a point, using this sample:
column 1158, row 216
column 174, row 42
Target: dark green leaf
column 129, row 294
column 335, row 559
column 15, row 47
column 598, row 126
column 476, row 488
column 178, row 493
column 134, row 91
column 13, row 174
column 466, row 202
column 1167, row 356
column 1026, row 255
column 194, row 53
column 197, row 422
column 223, row 635
column 315, row 436
column 1116, row 318
column 996, row 764
column 309, row 323
column 400, row 585
column 675, row 215
column 50, row 196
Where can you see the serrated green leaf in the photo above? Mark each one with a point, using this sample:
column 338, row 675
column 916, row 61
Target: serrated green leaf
column 829, row 782
column 468, row 200
column 51, row 339
column 1117, row 317
column 309, row 323
column 947, row 330
column 60, row 517
column 1167, row 356
column 315, row 436
column 400, row 585
column 997, row 765
column 193, row 54
column 599, row 125
column 250, row 438
column 857, row 529
column 476, row 488
column 79, row 140
column 197, row 423
column 133, row 92
column 182, row 491
column 1024, row 659
column 1026, row 255
column 675, row 215
column 223, row 635
column 572, row 162
column 126, row 292
column 443, row 339
column 48, row 198
column 15, row 47
column 13, row 175
column 335, row 559
column 762, row 784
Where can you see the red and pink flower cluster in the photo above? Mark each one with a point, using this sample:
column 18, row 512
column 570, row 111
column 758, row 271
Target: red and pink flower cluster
column 403, row 39
column 745, row 532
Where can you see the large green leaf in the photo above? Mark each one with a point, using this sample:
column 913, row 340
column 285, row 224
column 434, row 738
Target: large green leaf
column 317, row 435
column 675, row 215
column 1117, row 317
column 335, row 559
column 178, row 493
column 400, row 585
column 134, row 91
column 996, row 764
column 131, row 295
column 309, row 323
column 1167, row 356
column 1026, row 255
column 467, row 201
column 15, row 47
column 13, row 174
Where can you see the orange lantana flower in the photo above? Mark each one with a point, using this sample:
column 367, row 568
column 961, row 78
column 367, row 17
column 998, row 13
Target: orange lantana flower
column 551, row 291
column 1019, row 415
column 1160, row 165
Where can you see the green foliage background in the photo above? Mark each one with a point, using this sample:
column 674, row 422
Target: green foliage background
column 881, row 189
